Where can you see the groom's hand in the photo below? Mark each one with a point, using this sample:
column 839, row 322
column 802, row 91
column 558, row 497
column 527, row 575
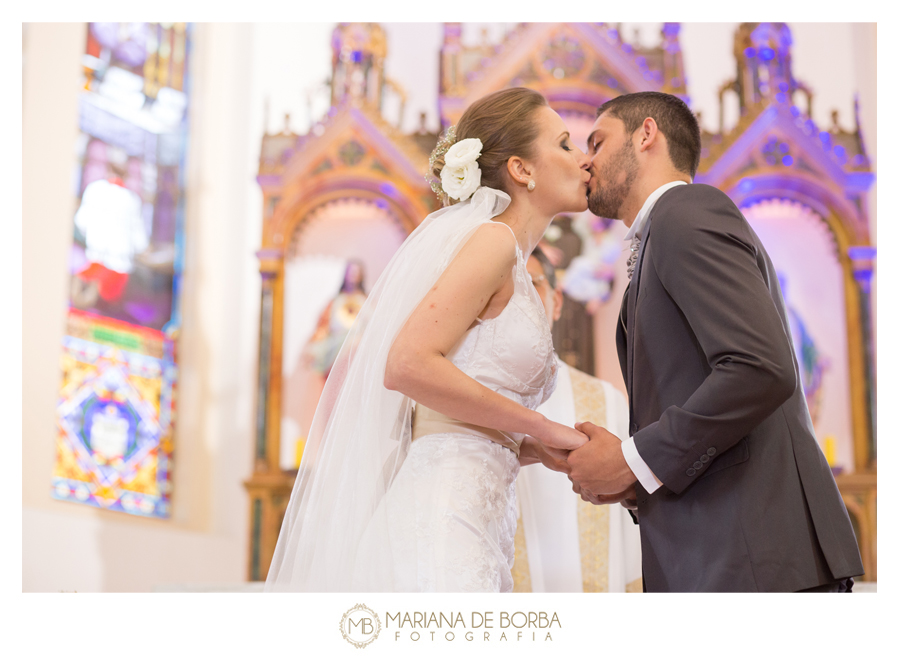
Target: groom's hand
column 599, row 467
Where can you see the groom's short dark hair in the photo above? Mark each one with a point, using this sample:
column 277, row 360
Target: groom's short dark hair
column 673, row 117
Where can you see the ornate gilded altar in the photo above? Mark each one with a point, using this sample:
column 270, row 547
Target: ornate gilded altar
column 774, row 152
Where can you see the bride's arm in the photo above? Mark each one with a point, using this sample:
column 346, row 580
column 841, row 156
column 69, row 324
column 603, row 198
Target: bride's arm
column 417, row 365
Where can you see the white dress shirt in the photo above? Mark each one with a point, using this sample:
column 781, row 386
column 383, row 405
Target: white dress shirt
column 637, row 465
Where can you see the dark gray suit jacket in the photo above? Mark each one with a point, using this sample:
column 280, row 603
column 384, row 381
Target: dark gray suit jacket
column 718, row 412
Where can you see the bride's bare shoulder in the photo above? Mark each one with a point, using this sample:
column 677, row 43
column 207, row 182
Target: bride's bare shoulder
column 492, row 242
column 484, row 262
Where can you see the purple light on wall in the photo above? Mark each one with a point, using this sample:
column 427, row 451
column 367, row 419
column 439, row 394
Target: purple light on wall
column 750, row 52
column 766, row 54
column 861, row 253
column 388, row 190
column 746, row 185
column 671, row 29
column 787, row 161
column 130, row 47
column 612, row 83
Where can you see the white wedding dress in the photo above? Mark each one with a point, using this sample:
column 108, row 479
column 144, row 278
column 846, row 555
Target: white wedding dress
column 452, row 507
column 383, row 504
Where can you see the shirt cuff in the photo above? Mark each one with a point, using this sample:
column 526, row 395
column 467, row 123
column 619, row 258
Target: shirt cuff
column 639, row 467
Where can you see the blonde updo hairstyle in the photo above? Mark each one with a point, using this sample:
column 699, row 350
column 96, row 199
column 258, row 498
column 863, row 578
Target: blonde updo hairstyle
column 504, row 122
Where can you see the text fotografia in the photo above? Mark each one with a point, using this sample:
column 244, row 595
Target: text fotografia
column 479, row 626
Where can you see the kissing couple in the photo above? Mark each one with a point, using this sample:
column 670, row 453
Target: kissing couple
column 407, row 482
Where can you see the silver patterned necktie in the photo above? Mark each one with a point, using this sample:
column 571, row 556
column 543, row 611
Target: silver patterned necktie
column 632, row 259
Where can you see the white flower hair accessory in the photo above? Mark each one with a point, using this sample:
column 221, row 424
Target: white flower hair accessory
column 460, row 175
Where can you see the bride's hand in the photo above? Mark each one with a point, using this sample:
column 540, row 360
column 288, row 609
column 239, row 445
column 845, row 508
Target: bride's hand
column 556, row 454
column 556, row 435
column 533, row 451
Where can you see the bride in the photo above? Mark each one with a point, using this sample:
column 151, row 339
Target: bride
column 407, row 480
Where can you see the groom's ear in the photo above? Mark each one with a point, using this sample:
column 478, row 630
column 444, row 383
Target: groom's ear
column 648, row 134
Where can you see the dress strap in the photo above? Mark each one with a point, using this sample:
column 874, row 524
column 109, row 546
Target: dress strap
column 518, row 250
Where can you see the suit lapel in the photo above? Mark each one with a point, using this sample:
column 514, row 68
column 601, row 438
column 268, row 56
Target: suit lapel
column 632, row 294
column 622, row 336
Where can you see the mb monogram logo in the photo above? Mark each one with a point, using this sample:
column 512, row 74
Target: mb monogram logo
column 360, row 626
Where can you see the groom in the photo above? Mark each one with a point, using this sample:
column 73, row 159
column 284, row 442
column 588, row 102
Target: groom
column 732, row 492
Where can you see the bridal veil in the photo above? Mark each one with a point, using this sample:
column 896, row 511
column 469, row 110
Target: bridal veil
column 361, row 431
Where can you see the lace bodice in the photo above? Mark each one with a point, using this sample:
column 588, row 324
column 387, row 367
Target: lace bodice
column 512, row 353
column 451, row 512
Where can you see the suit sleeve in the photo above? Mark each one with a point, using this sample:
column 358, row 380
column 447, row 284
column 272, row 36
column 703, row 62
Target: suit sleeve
column 707, row 260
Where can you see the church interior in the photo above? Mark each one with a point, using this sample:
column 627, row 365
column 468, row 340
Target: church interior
column 205, row 206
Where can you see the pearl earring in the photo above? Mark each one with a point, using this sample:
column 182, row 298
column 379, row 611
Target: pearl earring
column 531, row 186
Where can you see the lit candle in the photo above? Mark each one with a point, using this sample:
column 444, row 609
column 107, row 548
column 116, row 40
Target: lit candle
column 830, row 450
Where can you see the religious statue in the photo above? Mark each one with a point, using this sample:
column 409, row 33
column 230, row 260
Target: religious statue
column 813, row 363
column 336, row 320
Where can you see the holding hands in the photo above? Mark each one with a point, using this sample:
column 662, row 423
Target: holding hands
column 550, row 444
column 533, row 451
column 597, row 468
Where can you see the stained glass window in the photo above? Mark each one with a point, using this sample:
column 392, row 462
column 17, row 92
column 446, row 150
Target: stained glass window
column 117, row 406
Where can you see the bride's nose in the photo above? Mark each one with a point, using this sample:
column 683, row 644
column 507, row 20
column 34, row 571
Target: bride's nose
column 584, row 161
